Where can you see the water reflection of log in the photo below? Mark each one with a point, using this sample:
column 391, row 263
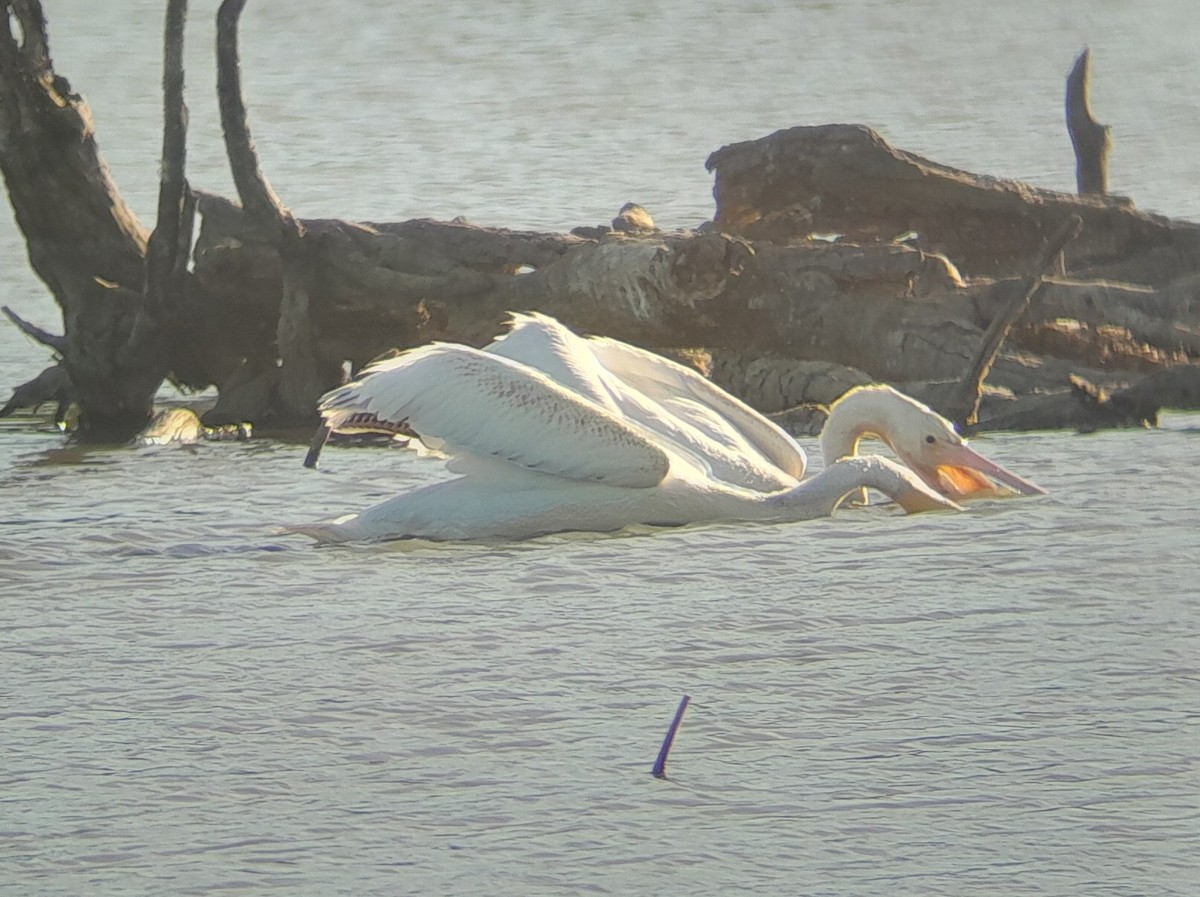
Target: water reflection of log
column 828, row 247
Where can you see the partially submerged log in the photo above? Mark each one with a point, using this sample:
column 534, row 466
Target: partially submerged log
column 845, row 179
column 275, row 306
column 1085, row 407
column 893, row 309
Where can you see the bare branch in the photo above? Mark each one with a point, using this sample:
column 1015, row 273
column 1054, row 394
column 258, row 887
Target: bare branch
column 304, row 373
column 51, row 385
column 165, row 271
column 965, row 409
column 253, row 189
column 55, row 342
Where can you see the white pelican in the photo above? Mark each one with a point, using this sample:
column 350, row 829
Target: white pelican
column 740, row 445
column 535, row 457
column 552, row 432
column 921, row 438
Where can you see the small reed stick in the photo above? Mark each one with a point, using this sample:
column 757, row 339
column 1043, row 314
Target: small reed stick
column 660, row 765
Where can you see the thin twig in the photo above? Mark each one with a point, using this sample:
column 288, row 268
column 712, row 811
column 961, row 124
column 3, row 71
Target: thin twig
column 318, row 442
column 965, row 409
column 659, row 770
column 55, row 342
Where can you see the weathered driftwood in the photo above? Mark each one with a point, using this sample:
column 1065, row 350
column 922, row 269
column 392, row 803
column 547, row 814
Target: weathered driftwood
column 83, row 241
column 890, row 309
column 1086, row 407
column 275, row 305
column 846, row 179
column 120, row 315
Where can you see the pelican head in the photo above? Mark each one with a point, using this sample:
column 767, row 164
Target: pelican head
column 924, row 440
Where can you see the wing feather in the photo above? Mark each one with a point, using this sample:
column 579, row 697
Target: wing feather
column 479, row 404
column 664, row 380
column 546, row 345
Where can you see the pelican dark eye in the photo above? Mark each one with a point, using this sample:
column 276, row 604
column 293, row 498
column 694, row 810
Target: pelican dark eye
column 931, row 439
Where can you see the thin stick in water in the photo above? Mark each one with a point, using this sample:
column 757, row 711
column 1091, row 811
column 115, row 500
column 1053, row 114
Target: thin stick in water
column 318, row 443
column 660, row 765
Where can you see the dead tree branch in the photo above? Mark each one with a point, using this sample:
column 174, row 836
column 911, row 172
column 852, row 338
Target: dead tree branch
column 303, row 374
column 54, row 341
column 167, row 255
column 170, row 243
column 964, row 408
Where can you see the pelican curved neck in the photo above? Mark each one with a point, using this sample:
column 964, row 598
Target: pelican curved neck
column 856, row 415
column 821, row 495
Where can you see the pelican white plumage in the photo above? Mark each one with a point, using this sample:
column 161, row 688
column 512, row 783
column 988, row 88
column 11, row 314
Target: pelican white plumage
column 551, row 432
column 924, row 440
column 740, row 446
column 536, row 458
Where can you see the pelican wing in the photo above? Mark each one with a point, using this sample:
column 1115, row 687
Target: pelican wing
column 675, row 405
column 544, row 344
column 664, row 380
column 469, row 402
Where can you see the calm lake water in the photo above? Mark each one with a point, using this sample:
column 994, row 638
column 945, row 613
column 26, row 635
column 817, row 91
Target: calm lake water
column 1001, row 701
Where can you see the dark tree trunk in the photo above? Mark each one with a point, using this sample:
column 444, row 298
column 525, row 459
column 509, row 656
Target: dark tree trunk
column 120, row 314
column 83, row 241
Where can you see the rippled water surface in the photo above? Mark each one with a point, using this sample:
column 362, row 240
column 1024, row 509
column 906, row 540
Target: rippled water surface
column 1004, row 698
column 1000, row 701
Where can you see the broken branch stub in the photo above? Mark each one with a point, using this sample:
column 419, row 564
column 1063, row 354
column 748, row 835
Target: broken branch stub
column 1091, row 140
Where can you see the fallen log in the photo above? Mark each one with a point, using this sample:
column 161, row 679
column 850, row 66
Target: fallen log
column 273, row 307
column 1086, row 407
column 845, row 179
column 1166, row 319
